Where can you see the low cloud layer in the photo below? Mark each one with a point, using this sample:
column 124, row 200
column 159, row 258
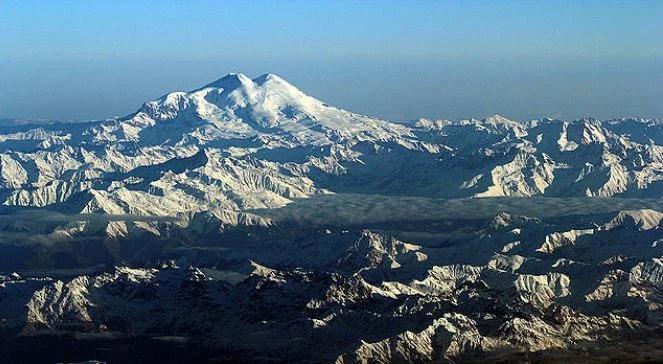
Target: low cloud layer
column 354, row 209
column 52, row 216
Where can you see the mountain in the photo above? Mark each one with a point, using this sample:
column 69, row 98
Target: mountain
column 515, row 287
column 239, row 144
column 179, row 231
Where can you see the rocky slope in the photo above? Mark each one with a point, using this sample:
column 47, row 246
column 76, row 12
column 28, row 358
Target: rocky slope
column 513, row 285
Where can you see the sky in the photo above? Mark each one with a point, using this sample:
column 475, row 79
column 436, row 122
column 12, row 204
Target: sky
column 399, row 60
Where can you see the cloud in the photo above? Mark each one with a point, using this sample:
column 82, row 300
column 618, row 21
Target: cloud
column 355, row 209
column 53, row 216
column 41, row 226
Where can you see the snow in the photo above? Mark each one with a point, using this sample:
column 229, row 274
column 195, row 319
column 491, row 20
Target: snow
column 266, row 143
column 378, row 298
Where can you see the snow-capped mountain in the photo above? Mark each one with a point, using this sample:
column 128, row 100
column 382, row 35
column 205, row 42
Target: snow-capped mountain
column 237, row 107
column 154, row 227
column 239, row 144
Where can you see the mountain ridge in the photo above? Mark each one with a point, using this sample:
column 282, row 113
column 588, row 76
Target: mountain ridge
column 267, row 143
column 184, row 224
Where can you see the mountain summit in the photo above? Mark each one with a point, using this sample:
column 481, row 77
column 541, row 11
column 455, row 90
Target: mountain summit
column 233, row 80
column 236, row 106
column 230, row 81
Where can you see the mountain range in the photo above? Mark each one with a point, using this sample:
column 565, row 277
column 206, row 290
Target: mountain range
column 150, row 230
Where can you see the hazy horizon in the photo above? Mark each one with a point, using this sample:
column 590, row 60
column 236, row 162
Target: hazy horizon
column 393, row 60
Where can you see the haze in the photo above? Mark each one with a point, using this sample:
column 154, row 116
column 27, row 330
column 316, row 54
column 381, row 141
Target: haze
column 455, row 60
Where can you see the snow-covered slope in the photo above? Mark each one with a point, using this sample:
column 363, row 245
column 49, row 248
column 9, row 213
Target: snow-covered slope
column 363, row 296
column 238, row 144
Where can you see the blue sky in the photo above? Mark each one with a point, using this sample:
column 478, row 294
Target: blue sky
column 393, row 59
